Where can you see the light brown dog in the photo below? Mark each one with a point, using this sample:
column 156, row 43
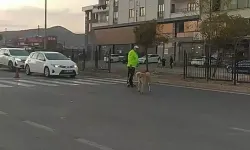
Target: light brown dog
column 143, row 79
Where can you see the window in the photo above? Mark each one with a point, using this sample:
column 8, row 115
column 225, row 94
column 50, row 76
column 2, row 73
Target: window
column 34, row 56
column 116, row 3
column 191, row 7
column 142, row 11
column 17, row 52
column 161, row 10
column 242, row 3
column 40, row 57
column 115, row 17
column 55, row 56
column 131, row 13
column 107, row 2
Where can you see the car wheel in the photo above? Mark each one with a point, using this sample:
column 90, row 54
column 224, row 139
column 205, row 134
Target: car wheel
column 10, row 66
column 27, row 70
column 46, row 72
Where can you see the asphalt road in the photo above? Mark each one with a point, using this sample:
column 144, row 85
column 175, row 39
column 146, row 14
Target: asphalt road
column 107, row 115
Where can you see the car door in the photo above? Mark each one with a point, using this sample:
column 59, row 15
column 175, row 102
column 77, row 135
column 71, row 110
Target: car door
column 1, row 56
column 32, row 62
column 6, row 57
column 40, row 61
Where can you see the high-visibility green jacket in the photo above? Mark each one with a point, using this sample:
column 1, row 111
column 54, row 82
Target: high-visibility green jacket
column 132, row 58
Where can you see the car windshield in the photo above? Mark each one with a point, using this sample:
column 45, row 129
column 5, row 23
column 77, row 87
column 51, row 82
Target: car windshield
column 55, row 56
column 19, row 53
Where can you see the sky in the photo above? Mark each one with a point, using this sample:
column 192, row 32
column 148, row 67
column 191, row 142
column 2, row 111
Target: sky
column 27, row 14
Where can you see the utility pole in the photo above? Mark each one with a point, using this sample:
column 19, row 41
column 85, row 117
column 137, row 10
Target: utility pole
column 45, row 26
column 5, row 37
column 38, row 31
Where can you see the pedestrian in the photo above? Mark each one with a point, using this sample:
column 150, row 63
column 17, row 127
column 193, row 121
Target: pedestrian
column 132, row 64
column 171, row 61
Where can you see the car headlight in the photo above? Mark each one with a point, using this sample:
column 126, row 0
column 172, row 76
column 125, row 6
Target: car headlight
column 18, row 59
column 75, row 66
column 56, row 66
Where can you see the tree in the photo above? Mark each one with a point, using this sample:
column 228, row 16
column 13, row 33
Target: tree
column 1, row 37
column 147, row 34
column 225, row 29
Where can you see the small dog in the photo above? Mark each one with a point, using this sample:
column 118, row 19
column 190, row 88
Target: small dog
column 143, row 79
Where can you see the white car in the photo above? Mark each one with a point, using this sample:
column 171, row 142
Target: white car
column 113, row 58
column 152, row 58
column 201, row 61
column 13, row 57
column 50, row 64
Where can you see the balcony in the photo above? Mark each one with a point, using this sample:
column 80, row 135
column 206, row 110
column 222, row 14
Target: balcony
column 100, row 8
column 183, row 8
column 182, row 12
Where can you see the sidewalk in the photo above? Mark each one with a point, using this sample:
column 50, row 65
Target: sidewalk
column 175, row 77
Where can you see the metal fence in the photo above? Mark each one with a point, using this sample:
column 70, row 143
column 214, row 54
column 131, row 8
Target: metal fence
column 233, row 66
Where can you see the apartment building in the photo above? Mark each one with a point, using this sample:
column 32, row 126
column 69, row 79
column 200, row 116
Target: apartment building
column 110, row 23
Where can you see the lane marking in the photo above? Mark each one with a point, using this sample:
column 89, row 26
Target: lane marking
column 202, row 89
column 2, row 85
column 93, row 144
column 3, row 113
column 38, row 126
column 240, row 129
column 102, row 82
column 79, row 82
column 96, row 79
column 38, row 83
column 57, row 82
column 17, row 83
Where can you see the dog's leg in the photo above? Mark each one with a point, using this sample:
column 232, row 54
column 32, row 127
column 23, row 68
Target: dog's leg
column 142, row 88
column 139, row 85
column 149, row 88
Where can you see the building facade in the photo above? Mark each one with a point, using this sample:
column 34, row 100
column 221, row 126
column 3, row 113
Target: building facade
column 110, row 23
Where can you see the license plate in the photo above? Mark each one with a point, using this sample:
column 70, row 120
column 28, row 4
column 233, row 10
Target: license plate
column 68, row 70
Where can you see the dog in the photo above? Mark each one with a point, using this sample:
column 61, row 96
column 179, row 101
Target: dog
column 143, row 79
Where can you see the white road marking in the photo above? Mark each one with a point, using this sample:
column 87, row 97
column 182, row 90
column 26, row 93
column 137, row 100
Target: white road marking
column 93, row 144
column 101, row 82
column 38, row 83
column 202, row 89
column 2, row 85
column 57, row 82
column 3, row 113
column 96, row 79
column 240, row 129
column 79, row 82
column 38, row 126
column 16, row 83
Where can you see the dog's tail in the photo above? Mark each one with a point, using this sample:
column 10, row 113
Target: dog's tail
column 137, row 74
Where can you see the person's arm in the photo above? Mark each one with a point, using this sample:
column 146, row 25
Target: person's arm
column 130, row 57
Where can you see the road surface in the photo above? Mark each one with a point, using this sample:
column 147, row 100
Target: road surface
column 37, row 113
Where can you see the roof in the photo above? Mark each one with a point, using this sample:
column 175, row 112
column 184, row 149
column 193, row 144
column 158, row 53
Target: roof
column 46, row 52
column 21, row 49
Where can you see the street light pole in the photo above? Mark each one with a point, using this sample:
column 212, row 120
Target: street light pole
column 45, row 26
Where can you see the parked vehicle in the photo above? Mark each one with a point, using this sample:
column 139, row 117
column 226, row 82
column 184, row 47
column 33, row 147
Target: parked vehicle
column 113, row 58
column 243, row 67
column 13, row 57
column 152, row 58
column 50, row 64
column 201, row 61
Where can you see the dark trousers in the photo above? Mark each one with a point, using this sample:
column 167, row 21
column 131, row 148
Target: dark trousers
column 131, row 72
column 171, row 65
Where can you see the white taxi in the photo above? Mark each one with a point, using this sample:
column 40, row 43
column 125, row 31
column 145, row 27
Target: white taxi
column 50, row 64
